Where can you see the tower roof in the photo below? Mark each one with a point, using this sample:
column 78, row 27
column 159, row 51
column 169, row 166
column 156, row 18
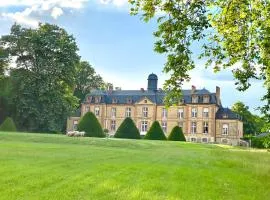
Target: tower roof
column 152, row 77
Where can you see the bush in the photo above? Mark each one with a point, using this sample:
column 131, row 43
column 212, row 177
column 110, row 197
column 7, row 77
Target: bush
column 155, row 132
column 8, row 125
column 261, row 142
column 177, row 134
column 90, row 125
column 127, row 130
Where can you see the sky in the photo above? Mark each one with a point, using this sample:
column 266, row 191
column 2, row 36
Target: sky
column 119, row 46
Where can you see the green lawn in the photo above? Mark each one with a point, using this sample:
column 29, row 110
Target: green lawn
column 42, row 166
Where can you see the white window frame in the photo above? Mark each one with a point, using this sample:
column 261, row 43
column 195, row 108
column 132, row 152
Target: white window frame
column 180, row 113
column 205, row 125
column 164, row 126
column 128, row 112
column 181, row 125
column 113, row 125
column 225, row 129
column 206, row 99
column 87, row 108
column 164, row 113
column 113, row 112
column 97, row 111
column 195, row 99
column 145, row 111
column 206, row 112
column 193, row 127
column 144, row 126
column 194, row 112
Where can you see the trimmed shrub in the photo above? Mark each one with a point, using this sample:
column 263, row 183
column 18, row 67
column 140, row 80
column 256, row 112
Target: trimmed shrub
column 90, row 125
column 8, row 125
column 177, row 134
column 127, row 130
column 155, row 132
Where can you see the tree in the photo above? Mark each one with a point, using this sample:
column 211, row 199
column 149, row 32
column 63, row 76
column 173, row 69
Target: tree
column 44, row 77
column 231, row 33
column 8, row 125
column 86, row 80
column 128, row 130
column 177, row 134
column 90, row 125
column 155, row 132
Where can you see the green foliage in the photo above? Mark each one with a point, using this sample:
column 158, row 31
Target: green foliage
column 44, row 78
column 232, row 34
column 261, row 142
column 128, row 130
column 86, row 80
column 155, row 132
column 90, row 125
column 177, row 134
column 8, row 125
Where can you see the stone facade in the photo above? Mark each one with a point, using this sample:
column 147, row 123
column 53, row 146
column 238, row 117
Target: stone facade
column 199, row 113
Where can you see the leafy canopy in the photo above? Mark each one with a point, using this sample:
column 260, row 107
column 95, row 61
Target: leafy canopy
column 44, row 77
column 90, row 125
column 155, row 132
column 232, row 34
column 128, row 130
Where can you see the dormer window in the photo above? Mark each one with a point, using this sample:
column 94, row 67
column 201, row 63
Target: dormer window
column 129, row 100
column 195, row 99
column 225, row 115
column 97, row 99
column 206, row 99
column 114, row 100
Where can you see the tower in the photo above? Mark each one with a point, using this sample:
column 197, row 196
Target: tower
column 152, row 82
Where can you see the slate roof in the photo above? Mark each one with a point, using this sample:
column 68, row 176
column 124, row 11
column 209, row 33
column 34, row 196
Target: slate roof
column 122, row 96
column 226, row 113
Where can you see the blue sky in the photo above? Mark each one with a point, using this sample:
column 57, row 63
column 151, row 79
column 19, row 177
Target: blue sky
column 119, row 46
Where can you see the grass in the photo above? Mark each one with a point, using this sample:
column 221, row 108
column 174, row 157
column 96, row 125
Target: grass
column 43, row 166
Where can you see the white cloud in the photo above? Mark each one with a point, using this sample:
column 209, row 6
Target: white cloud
column 117, row 3
column 39, row 8
column 56, row 12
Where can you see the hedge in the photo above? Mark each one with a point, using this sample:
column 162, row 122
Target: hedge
column 177, row 134
column 155, row 132
column 128, row 130
column 8, row 125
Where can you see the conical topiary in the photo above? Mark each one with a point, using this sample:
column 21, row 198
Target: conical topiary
column 155, row 132
column 127, row 130
column 90, row 125
column 8, row 125
column 177, row 134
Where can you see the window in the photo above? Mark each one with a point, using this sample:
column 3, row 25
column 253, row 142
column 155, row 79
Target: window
column 205, row 140
column 164, row 126
column 113, row 113
column 205, row 99
column 145, row 111
column 180, row 113
column 225, row 129
column 97, row 111
column 193, row 139
column 193, row 127
column 144, row 126
column 164, row 113
column 205, row 112
column 225, row 115
column 128, row 112
column 113, row 125
column 195, row 99
column 97, row 99
column 75, row 124
column 205, row 127
column 194, row 112
column 145, row 101
column 114, row 100
column 129, row 100
column 87, row 109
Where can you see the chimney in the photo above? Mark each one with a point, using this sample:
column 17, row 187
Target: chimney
column 218, row 95
column 142, row 89
column 193, row 89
